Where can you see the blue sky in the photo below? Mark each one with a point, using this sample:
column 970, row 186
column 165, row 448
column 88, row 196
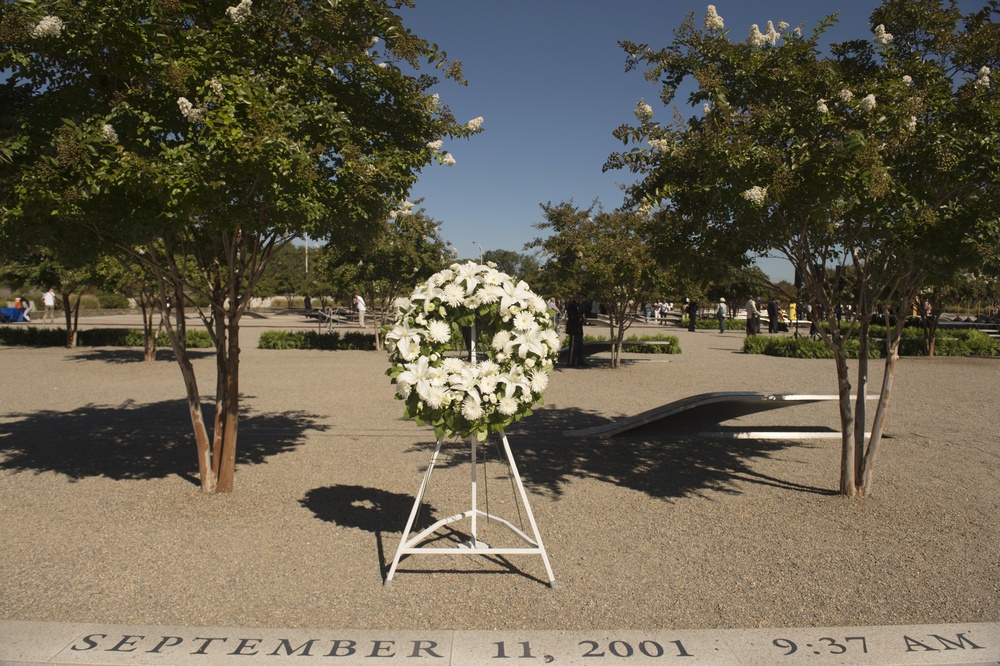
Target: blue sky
column 549, row 79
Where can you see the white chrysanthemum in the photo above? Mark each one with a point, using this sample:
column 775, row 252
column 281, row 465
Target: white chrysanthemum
column 643, row 111
column 435, row 145
column 907, row 79
column 49, row 26
column 712, row 19
column 551, row 339
column 108, row 133
column 845, row 95
column 453, row 294
column 755, row 195
column 453, row 364
column 524, row 320
column 448, row 160
column 756, row 37
column 539, row 381
column 822, row 107
column 437, row 397
column 881, row 36
column 488, row 383
column 490, row 293
column 507, row 406
column 439, row 331
column 403, row 389
column 471, row 409
column 488, row 367
column 475, row 124
column 500, row 340
column 240, row 12
column 472, row 302
column 868, row 103
column 492, row 276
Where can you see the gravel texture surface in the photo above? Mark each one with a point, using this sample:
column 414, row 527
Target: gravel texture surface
column 102, row 521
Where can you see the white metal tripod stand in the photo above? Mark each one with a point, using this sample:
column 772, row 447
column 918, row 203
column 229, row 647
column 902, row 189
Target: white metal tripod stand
column 534, row 546
column 408, row 546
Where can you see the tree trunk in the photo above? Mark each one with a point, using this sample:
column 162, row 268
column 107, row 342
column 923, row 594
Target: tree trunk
column 848, row 441
column 871, row 452
column 229, row 419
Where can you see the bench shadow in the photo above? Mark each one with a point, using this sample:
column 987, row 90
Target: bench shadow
column 668, row 465
column 137, row 442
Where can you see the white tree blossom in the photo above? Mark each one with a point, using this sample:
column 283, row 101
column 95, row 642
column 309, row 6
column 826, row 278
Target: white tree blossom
column 822, row 107
column 475, row 124
column 755, row 195
column 881, row 36
column 712, row 19
column 108, row 133
column 756, row 37
column 643, row 111
column 49, row 26
column 868, row 103
column 240, row 12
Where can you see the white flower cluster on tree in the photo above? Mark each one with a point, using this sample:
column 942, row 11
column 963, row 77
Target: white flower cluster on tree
column 216, row 87
column 867, row 103
column 755, row 195
column 712, row 19
column 49, row 26
column 907, row 79
column 643, row 111
column 845, row 95
column 460, row 398
column 240, row 12
column 911, row 124
column 662, row 145
column 108, row 133
column 881, row 36
column 448, row 160
column 435, row 145
column 475, row 124
column 758, row 39
column 404, row 208
column 187, row 110
column 821, row 106
column 983, row 80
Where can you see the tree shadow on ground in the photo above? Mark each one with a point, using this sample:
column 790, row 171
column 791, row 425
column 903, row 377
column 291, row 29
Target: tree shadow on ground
column 665, row 465
column 135, row 355
column 132, row 441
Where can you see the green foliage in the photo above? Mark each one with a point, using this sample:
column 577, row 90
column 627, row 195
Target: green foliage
column 111, row 301
column 316, row 340
column 713, row 324
column 969, row 342
column 672, row 345
column 32, row 336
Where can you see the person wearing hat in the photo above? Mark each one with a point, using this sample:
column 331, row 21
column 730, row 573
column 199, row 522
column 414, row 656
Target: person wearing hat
column 720, row 312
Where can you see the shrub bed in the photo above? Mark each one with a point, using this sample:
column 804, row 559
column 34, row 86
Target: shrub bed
column 316, row 340
column 94, row 337
column 968, row 342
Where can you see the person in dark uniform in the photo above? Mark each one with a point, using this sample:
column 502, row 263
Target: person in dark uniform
column 692, row 313
column 773, row 316
column 574, row 329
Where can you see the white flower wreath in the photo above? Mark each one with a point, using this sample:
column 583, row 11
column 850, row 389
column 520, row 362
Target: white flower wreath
column 513, row 328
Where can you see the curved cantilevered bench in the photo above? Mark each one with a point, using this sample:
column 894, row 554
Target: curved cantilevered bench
column 598, row 346
column 710, row 409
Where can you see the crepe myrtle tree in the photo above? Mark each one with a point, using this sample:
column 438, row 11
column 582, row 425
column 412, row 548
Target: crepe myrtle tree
column 878, row 157
column 200, row 137
column 407, row 250
column 606, row 255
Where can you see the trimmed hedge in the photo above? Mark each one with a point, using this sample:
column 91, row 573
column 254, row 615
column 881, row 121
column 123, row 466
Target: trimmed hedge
column 713, row 324
column 316, row 340
column 673, row 346
column 967, row 342
column 94, row 337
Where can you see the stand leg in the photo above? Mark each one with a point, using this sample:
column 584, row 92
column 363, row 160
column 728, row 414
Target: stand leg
column 527, row 509
column 413, row 514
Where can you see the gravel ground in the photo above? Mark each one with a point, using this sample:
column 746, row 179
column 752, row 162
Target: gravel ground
column 102, row 522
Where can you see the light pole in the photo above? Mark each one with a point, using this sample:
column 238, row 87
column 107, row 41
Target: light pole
column 480, row 251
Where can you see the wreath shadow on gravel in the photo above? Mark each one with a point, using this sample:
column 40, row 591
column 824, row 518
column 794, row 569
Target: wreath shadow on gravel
column 137, row 442
column 662, row 465
column 381, row 512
